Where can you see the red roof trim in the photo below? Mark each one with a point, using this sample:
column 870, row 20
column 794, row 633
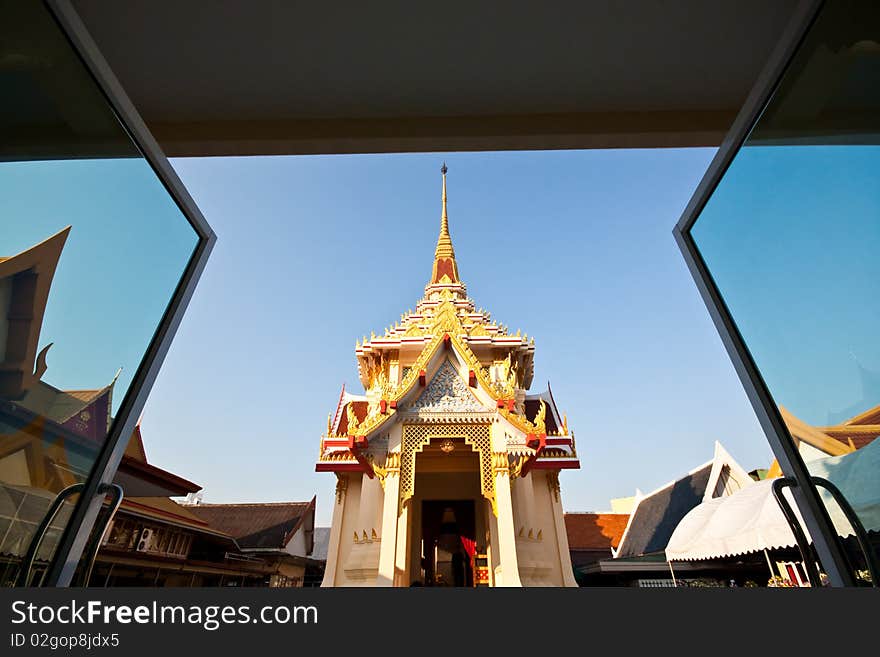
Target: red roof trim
column 339, row 467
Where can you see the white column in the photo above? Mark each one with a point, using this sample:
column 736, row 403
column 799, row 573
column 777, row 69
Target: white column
column 387, row 551
column 529, row 512
column 519, row 520
column 493, row 551
column 561, row 534
column 506, row 531
column 368, row 513
column 524, row 504
column 335, row 532
column 402, row 558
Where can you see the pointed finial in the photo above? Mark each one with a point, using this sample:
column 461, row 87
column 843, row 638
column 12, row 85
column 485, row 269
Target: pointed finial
column 445, row 267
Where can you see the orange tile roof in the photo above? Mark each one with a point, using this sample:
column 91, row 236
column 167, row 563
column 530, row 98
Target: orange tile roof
column 595, row 531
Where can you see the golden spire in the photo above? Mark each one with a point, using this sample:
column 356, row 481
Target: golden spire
column 445, row 267
column 444, row 242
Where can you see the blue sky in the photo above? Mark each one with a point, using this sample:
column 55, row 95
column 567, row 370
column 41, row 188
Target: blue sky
column 123, row 257
column 791, row 237
column 572, row 247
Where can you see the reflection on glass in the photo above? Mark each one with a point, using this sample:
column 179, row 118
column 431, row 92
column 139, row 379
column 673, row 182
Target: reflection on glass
column 91, row 250
column 791, row 237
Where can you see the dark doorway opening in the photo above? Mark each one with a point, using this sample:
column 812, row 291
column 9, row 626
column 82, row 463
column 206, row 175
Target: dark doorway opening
column 448, row 539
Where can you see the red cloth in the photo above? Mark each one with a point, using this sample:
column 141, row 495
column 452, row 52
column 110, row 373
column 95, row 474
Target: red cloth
column 470, row 546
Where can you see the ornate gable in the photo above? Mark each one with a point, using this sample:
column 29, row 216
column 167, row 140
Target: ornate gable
column 446, row 393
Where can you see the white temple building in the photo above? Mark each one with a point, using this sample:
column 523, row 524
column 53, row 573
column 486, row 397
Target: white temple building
column 447, row 469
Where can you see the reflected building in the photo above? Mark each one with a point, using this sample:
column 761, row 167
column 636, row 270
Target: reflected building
column 156, row 541
column 447, row 467
column 870, row 384
column 819, row 442
column 49, row 439
column 781, row 237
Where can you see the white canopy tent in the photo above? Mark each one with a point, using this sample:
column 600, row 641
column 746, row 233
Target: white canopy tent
column 750, row 519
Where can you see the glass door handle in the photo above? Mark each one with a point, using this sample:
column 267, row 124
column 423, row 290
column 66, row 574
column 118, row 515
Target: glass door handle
column 91, row 552
column 27, row 564
column 799, row 536
column 858, row 527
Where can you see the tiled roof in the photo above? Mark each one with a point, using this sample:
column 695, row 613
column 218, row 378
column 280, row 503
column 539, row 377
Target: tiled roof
column 858, row 440
column 167, row 510
column 59, row 405
column 594, row 531
column 656, row 516
column 361, row 408
column 854, row 428
column 135, row 446
column 871, row 416
column 254, row 525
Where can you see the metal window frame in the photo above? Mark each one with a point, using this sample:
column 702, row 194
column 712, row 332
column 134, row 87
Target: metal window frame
column 76, row 535
column 805, row 494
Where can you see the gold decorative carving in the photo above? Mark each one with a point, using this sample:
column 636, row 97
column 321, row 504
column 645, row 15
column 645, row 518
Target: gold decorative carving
column 500, row 464
column 392, row 462
column 379, row 471
column 352, row 420
column 417, row 436
column 341, row 487
column 391, row 467
column 553, row 483
column 445, row 321
column 540, row 424
column 519, row 421
column 517, row 465
column 336, row 457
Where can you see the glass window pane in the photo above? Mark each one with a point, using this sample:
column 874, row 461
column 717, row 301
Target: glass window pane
column 92, row 248
column 791, row 236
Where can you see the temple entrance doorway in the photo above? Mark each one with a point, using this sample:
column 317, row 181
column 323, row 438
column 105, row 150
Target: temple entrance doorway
column 449, row 521
column 448, row 535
